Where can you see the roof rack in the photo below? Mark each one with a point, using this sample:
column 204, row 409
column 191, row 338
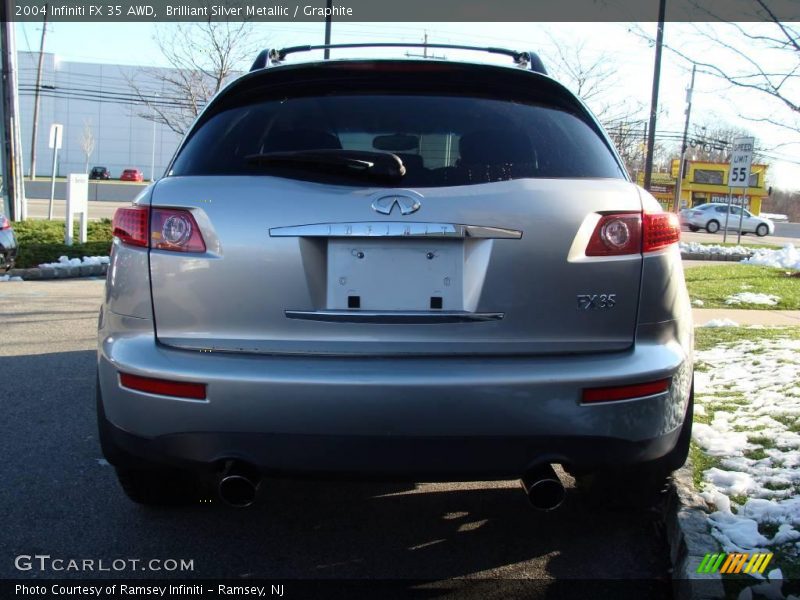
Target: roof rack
column 526, row 59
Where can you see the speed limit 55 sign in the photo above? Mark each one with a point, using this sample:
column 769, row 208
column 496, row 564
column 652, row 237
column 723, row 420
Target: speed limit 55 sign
column 741, row 157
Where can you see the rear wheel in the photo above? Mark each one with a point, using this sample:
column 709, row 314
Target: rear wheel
column 712, row 226
column 762, row 230
column 693, row 228
column 142, row 482
column 640, row 486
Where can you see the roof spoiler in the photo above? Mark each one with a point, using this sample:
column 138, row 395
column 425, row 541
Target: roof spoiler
column 273, row 56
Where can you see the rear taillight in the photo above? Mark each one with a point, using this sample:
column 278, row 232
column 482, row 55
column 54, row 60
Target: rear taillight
column 130, row 225
column 4, row 223
column 175, row 229
column 163, row 387
column 632, row 233
column 169, row 229
column 626, row 392
column 616, row 234
column 660, row 230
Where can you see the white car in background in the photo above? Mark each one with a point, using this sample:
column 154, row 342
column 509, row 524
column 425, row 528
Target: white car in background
column 712, row 218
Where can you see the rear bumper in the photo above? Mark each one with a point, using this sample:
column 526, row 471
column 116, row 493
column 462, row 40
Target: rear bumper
column 395, row 458
column 410, row 417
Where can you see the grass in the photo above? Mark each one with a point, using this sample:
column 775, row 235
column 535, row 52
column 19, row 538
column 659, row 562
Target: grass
column 714, row 283
column 701, row 462
column 791, row 422
column 706, row 338
column 43, row 241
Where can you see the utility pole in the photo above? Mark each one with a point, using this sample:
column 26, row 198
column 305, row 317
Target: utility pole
column 36, row 94
column 328, row 19
column 651, row 140
column 676, row 207
column 14, row 189
column 425, row 51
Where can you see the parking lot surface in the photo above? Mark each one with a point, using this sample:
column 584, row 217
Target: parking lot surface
column 60, row 498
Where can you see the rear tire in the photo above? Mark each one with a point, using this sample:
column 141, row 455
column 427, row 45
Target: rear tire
column 693, row 228
column 142, row 482
column 762, row 230
column 640, row 486
column 712, row 226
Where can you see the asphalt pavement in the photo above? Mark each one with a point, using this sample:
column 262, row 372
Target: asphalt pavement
column 60, row 498
column 785, row 233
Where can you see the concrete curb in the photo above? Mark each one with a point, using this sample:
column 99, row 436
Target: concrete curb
column 39, row 273
column 711, row 256
column 689, row 541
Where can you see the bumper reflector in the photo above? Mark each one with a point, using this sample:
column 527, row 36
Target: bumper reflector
column 625, row 392
column 164, row 387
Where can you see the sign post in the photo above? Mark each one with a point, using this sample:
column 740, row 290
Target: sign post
column 739, row 176
column 56, row 133
column 77, row 203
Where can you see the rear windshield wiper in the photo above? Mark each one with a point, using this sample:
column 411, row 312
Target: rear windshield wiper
column 361, row 163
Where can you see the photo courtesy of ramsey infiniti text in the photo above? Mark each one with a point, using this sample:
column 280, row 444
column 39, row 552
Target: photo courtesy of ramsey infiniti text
column 396, row 270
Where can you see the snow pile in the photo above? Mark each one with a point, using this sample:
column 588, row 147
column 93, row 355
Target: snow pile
column 752, row 298
column 64, row 262
column 774, row 216
column 787, row 257
column 9, row 278
column 697, row 248
column 697, row 303
column 749, row 402
column 721, row 323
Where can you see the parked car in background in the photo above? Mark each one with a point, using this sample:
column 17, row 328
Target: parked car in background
column 713, row 216
column 8, row 244
column 409, row 270
column 132, row 175
column 99, row 173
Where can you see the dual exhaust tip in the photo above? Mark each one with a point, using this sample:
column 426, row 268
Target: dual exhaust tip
column 238, row 486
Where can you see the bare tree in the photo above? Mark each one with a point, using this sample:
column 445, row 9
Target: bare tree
column 593, row 77
column 760, row 57
column 785, row 202
column 87, row 141
column 203, row 57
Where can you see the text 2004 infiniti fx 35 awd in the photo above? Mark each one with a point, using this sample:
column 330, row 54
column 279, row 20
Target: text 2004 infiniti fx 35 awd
column 394, row 269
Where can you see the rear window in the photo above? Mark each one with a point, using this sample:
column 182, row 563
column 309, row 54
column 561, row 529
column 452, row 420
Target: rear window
column 442, row 140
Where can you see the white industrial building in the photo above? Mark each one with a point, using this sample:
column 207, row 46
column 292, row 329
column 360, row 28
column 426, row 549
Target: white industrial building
column 77, row 94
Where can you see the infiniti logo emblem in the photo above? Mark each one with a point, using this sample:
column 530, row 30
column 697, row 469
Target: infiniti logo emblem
column 386, row 205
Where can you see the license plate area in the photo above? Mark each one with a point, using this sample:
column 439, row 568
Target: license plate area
column 395, row 274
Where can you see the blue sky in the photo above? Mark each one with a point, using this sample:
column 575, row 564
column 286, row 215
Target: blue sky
column 133, row 43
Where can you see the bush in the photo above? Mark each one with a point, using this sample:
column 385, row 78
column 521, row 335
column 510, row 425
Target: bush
column 43, row 241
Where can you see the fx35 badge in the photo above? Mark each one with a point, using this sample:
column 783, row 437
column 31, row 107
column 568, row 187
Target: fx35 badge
column 596, row 301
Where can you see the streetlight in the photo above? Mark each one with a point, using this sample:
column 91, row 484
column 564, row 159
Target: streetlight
column 153, row 154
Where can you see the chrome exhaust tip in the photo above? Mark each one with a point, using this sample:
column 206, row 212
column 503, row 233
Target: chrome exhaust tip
column 238, row 485
column 544, row 488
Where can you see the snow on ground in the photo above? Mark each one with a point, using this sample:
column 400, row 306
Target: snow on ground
column 721, row 323
column 9, row 278
column 63, row 262
column 748, row 419
column 696, row 247
column 753, row 298
column 787, row 257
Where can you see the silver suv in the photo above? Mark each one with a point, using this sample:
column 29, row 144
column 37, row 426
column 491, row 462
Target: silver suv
column 399, row 269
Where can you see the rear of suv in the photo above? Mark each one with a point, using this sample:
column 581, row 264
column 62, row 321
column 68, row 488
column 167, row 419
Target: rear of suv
column 393, row 269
